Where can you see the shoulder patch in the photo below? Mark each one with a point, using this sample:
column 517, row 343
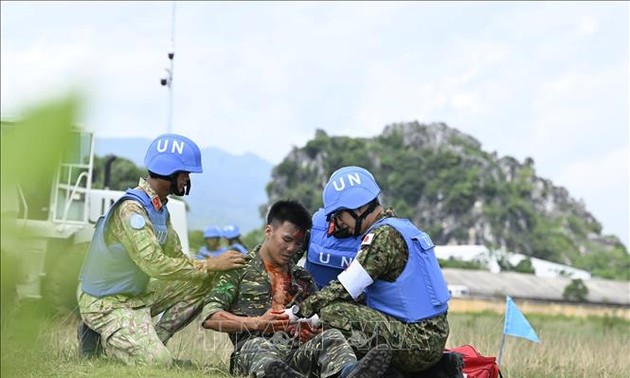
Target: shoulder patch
column 425, row 241
column 137, row 221
column 367, row 239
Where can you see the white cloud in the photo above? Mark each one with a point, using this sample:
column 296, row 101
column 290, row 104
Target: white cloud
column 546, row 80
column 587, row 26
column 597, row 180
column 574, row 113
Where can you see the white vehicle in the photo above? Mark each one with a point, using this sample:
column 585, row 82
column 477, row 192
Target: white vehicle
column 50, row 233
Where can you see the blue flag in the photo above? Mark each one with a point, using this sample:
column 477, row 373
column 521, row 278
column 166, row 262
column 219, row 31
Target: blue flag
column 516, row 324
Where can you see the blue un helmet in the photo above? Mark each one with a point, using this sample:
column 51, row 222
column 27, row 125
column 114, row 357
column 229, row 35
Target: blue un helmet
column 212, row 232
column 170, row 154
column 349, row 168
column 350, row 188
column 231, row 231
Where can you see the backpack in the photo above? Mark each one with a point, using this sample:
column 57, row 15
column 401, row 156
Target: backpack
column 476, row 365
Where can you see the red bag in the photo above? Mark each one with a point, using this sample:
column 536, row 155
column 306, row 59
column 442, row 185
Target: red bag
column 476, row 365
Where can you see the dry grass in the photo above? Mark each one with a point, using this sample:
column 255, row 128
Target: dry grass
column 497, row 305
column 570, row 347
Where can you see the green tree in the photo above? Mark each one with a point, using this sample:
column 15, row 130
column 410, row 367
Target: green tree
column 452, row 262
column 575, row 291
column 124, row 173
column 525, row 266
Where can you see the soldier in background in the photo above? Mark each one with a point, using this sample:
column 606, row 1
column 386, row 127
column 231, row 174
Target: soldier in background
column 212, row 237
column 393, row 291
column 135, row 267
column 232, row 235
column 249, row 304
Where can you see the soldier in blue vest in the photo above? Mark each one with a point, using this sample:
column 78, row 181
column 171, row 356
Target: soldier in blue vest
column 330, row 249
column 250, row 305
column 232, row 235
column 393, row 291
column 135, row 267
column 329, row 253
column 212, row 236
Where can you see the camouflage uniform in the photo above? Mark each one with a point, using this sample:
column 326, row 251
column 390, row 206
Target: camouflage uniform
column 248, row 292
column 416, row 346
column 177, row 287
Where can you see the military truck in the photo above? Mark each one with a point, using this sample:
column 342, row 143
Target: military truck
column 48, row 224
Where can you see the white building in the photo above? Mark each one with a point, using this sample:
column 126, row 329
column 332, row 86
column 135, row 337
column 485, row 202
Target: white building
column 489, row 259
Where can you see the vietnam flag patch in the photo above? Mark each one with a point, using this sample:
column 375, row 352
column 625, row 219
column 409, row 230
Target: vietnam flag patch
column 367, row 239
column 156, row 203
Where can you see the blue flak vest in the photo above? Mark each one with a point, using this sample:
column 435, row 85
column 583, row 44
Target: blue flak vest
column 327, row 255
column 238, row 247
column 420, row 291
column 108, row 269
column 204, row 252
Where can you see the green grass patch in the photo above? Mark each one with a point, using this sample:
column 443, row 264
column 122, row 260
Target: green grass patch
column 570, row 347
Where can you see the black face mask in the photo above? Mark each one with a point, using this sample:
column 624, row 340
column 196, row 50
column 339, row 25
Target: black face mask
column 339, row 233
column 184, row 191
column 345, row 233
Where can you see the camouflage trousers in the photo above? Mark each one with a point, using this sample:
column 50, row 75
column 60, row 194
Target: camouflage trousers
column 125, row 324
column 415, row 346
column 322, row 356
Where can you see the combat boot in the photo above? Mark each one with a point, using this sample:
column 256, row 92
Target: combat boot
column 279, row 369
column 373, row 365
column 89, row 341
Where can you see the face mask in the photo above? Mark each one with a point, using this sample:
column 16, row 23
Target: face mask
column 174, row 190
column 339, row 233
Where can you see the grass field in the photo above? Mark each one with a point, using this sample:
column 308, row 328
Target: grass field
column 570, row 347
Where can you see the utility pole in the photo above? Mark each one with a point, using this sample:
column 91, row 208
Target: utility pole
column 167, row 76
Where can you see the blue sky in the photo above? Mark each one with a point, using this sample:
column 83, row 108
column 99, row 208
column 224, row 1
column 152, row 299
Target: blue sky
column 546, row 80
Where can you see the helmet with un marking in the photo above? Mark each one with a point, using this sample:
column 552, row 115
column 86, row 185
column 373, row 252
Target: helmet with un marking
column 170, row 153
column 349, row 188
column 212, row 232
column 231, row 231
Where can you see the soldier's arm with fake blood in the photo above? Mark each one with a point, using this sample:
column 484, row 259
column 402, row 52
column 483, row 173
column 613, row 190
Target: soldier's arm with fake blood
column 270, row 322
column 382, row 256
column 219, row 302
column 306, row 329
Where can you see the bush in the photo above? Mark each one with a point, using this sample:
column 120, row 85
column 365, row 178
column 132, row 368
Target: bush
column 575, row 291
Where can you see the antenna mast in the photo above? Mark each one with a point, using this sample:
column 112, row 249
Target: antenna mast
column 167, row 76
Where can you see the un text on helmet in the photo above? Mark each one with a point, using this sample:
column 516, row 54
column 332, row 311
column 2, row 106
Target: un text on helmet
column 176, row 146
column 352, row 178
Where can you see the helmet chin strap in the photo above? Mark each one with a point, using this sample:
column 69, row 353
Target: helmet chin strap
column 358, row 219
column 173, row 180
column 174, row 189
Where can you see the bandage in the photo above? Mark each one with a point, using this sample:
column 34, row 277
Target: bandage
column 292, row 311
column 355, row 279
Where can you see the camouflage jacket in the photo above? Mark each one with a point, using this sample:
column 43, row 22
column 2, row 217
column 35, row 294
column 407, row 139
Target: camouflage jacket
column 167, row 262
column 247, row 291
column 384, row 258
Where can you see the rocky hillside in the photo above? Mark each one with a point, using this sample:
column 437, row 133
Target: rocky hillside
column 441, row 179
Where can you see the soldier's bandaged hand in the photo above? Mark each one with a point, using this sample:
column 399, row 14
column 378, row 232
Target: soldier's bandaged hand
column 273, row 321
column 306, row 332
